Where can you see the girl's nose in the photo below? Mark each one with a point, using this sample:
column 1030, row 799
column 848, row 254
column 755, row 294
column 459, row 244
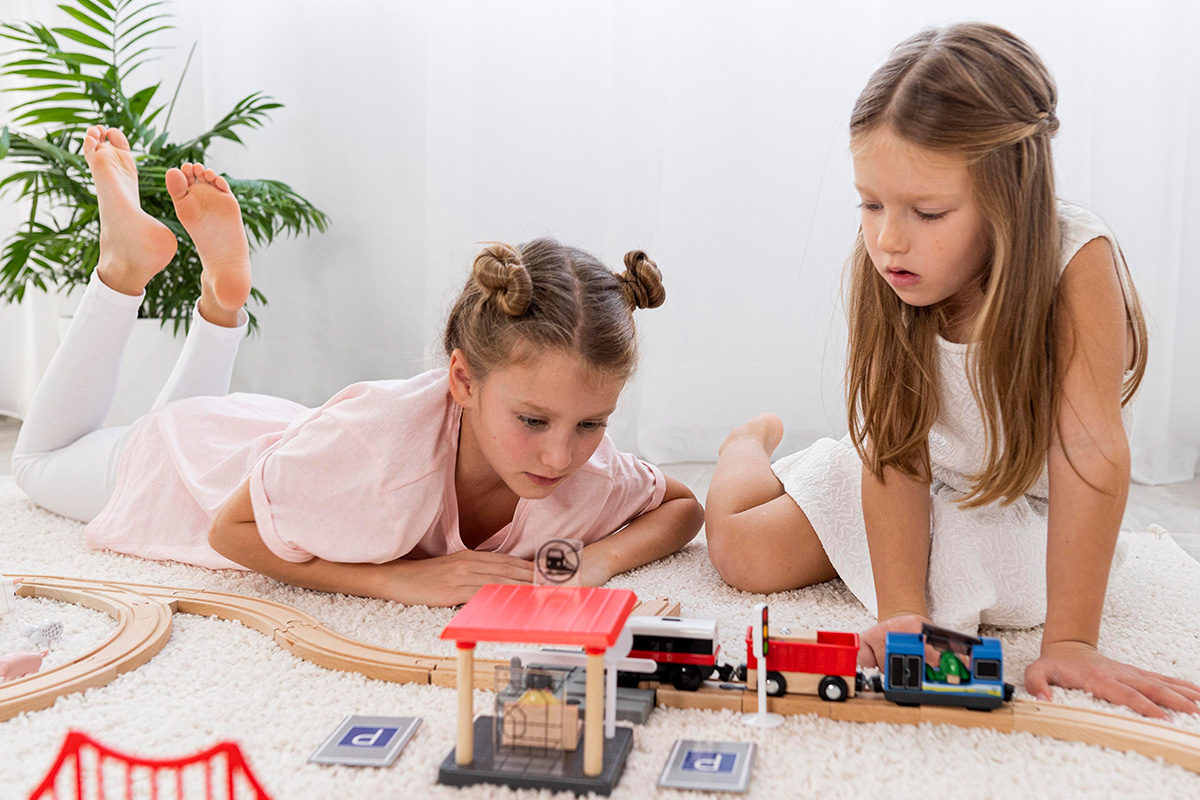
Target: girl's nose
column 891, row 235
column 557, row 455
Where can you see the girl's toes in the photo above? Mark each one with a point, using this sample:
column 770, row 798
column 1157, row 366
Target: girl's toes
column 117, row 138
column 187, row 170
column 222, row 184
column 177, row 184
column 210, row 176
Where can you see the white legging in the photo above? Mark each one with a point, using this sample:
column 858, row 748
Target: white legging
column 63, row 459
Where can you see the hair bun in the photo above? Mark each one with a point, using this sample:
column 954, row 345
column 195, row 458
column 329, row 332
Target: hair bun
column 498, row 271
column 641, row 282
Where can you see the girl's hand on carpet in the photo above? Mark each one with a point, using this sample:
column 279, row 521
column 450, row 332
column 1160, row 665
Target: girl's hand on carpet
column 453, row 579
column 1076, row 665
column 873, row 641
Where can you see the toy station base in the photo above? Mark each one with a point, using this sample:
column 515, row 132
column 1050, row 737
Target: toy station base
column 533, row 768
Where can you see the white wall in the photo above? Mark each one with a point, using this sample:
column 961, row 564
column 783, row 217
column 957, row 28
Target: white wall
column 713, row 135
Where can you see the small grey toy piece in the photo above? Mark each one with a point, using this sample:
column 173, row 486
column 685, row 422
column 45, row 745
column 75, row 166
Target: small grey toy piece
column 44, row 633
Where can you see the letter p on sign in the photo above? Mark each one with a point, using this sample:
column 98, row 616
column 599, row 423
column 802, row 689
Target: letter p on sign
column 368, row 737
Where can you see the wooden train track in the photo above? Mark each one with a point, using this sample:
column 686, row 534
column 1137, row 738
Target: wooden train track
column 143, row 627
column 143, row 613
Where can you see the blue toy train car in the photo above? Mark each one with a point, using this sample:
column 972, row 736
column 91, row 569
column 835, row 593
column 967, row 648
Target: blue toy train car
column 943, row 667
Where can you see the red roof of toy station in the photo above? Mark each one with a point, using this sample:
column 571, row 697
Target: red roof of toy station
column 579, row 615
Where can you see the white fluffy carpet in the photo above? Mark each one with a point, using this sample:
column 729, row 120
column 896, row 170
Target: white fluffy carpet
column 219, row 680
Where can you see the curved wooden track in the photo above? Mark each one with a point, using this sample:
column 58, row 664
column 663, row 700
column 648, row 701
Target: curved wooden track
column 143, row 627
column 143, row 613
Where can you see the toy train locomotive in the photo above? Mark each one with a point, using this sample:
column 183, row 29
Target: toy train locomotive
column 969, row 670
column 936, row 666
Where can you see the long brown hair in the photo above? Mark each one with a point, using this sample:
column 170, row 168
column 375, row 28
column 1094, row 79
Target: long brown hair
column 543, row 295
column 978, row 91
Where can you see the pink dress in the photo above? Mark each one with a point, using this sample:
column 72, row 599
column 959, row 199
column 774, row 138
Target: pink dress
column 367, row 478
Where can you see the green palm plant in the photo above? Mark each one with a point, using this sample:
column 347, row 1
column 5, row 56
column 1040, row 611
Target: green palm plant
column 58, row 246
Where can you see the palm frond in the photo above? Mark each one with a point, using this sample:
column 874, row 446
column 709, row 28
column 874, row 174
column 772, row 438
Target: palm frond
column 86, row 19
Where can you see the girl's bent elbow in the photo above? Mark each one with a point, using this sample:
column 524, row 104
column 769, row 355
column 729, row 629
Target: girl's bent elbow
column 218, row 538
column 695, row 520
column 1105, row 465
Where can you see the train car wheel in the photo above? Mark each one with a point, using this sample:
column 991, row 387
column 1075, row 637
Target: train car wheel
column 833, row 689
column 776, row 684
column 687, row 678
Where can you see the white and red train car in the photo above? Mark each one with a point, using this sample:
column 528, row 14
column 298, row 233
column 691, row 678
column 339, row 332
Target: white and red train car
column 685, row 650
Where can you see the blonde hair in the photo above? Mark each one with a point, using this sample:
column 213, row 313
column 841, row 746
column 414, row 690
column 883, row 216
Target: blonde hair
column 978, row 91
column 522, row 301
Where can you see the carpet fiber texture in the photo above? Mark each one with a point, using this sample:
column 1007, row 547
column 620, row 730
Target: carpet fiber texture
column 218, row 680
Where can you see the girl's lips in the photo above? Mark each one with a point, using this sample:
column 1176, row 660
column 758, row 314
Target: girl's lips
column 901, row 278
column 538, row 480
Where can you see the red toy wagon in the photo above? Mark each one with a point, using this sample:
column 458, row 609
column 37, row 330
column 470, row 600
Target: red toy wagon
column 824, row 663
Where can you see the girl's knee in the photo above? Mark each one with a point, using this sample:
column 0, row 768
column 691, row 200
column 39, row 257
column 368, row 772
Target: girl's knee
column 65, row 494
column 729, row 551
column 21, row 464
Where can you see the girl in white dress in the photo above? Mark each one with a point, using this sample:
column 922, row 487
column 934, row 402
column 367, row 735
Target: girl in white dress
column 995, row 340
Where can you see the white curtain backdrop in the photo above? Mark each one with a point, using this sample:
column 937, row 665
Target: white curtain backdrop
column 712, row 135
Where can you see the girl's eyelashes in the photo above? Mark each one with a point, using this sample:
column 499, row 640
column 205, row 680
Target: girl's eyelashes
column 925, row 216
column 535, row 423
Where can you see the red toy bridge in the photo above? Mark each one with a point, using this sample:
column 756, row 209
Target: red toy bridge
column 83, row 766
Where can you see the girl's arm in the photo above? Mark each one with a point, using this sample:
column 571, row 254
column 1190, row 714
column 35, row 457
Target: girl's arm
column 1089, row 466
column 896, row 512
column 442, row 581
column 647, row 538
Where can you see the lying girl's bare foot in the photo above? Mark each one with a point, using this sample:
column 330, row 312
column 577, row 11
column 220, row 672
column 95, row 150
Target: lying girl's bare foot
column 134, row 246
column 765, row 430
column 212, row 217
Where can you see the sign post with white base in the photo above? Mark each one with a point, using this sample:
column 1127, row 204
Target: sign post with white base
column 761, row 644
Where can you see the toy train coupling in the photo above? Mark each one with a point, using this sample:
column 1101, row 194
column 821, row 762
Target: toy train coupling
column 868, row 680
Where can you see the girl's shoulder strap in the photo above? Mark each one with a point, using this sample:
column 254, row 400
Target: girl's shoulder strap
column 1078, row 226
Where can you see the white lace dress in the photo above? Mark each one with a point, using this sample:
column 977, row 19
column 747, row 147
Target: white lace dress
column 985, row 564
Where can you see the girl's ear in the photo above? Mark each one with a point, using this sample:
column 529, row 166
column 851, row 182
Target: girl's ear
column 463, row 387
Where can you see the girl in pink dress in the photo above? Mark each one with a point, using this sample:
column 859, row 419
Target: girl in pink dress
column 419, row 490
